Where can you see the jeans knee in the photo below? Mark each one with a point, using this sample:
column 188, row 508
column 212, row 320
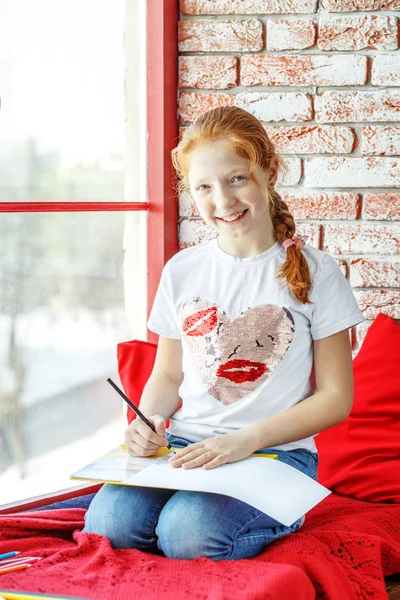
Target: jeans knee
column 194, row 525
column 181, row 545
column 184, row 537
column 103, row 517
column 115, row 514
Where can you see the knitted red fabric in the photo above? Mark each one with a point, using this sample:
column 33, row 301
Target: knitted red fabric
column 342, row 553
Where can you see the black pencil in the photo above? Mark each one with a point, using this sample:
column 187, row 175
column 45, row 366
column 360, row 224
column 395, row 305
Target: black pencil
column 133, row 407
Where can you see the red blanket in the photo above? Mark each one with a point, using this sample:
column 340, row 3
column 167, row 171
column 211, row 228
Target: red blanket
column 342, row 553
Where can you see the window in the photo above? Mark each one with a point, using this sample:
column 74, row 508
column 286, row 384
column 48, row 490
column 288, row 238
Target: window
column 62, row 314
column 85, row 239
column 62, row 305
column 62, row 100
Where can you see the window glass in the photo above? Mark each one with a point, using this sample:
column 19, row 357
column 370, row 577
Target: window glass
column 61, row 316
column 62, row 100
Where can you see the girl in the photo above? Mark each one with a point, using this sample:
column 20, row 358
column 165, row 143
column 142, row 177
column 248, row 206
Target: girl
column 241, row 321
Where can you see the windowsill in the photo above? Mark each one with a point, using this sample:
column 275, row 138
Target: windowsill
column 43, row 499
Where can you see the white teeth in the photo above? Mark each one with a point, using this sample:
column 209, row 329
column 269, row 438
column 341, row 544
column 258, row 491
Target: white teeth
column 234, row 217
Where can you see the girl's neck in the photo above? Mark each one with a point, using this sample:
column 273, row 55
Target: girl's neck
column 244, row 246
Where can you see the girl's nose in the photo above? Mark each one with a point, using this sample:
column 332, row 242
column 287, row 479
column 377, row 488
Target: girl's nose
column 224, row 200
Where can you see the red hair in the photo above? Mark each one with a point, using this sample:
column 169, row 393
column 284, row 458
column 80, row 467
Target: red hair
column 244, row 134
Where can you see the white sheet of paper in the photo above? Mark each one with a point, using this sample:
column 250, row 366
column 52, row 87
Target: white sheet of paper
column 116, row 468
column 271, row 486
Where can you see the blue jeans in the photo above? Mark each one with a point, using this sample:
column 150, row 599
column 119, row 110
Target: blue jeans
column 187, row 525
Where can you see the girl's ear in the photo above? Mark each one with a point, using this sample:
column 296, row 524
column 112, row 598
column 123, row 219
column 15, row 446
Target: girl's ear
column 273, row 172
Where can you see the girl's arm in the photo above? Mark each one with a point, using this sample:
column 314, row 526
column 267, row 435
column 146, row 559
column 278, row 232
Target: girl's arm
column 160, row 394
column 331, row 403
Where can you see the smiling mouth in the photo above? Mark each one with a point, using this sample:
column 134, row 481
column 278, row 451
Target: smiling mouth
column 241, row 371
column 234, row 217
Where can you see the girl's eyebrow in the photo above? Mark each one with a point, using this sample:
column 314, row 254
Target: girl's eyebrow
column 239, row 168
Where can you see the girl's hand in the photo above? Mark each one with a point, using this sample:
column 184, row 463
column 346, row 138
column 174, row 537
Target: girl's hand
column 215, row 451
column 140, row 440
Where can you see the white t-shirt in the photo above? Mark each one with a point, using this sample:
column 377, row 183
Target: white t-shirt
column 247, row 342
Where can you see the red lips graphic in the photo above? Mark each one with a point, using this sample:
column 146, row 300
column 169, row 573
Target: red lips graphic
column 201, row 322
column 240, row 371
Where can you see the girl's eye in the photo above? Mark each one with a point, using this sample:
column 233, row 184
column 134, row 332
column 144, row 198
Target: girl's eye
column 201, row 187
column 239, row 177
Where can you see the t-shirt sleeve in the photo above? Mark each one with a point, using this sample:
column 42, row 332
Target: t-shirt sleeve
column 335, row 307
column 163, row 318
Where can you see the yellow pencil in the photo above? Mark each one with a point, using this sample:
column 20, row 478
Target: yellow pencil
column 14, row 595
column 15, row 568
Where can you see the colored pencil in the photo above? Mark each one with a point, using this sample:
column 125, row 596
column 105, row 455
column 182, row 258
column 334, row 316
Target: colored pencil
column 20, row 561
column 15, row 595
column 9, row 554
column 15, row 568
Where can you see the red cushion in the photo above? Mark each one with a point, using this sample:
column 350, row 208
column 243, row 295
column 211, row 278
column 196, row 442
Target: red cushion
column 135, row 364
column 360, row 457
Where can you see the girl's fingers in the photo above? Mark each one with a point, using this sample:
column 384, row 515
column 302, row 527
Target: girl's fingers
column 136, row 449
column 138, row 430
column 181, row 455
column 216, row 462
column 178, row 455
column 147, row 434
column 196, row 458
column 145, row 444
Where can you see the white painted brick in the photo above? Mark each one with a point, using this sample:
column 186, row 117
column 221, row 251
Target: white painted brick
column 195, row 231
column 362, row 239
column 291, row 172
column 367, row 272
column 247, row 7
column 343, row 267
column 352, row 172
column 304, row 204
column 275, row 106
column 187, row 206
column 349, row 5
column 208, row 72
column 313, row 139
column 312, row 232
column 359, row 335
column 193, row 104
column 386, row 70
column 383, row 141
column 381, row 207
column 235, row 35
column 353, row 106
column 357, row 33
column 298, row 70
column 290, row 35
column 373, row 302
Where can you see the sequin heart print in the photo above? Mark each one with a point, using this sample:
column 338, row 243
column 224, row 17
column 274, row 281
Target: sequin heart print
column 235, row 356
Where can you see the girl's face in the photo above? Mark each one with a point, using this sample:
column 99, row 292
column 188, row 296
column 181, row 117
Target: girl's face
column 227, row 197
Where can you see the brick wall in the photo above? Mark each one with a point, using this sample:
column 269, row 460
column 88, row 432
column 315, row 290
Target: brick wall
column 324, row 78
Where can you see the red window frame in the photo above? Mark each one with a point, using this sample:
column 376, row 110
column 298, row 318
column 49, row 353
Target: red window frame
column 162, row 205
column 162, row 120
